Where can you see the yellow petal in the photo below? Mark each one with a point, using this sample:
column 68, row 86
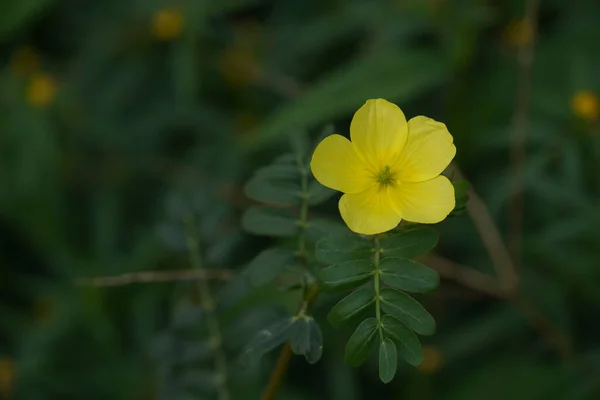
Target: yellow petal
column 427, row 202
column 378, row 132
column 369, row 212
column 429, row 149
column 336, row 165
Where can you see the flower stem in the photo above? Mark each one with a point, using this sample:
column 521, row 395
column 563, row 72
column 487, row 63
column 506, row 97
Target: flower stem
column 208, row 305
column 310, row 290
column 376, row 283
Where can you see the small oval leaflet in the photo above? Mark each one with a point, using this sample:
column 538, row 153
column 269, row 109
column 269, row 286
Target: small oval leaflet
column 270, row 222
column 388, row 360
column 350, row 306
column 346, row 275
column 408, row 344
column 407, row 310
column 409, row 243
column 408, row 275
column 361, row 342
column 337, row 249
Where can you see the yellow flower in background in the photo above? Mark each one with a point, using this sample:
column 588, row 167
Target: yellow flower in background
column 432, row 360
column 7, row 376
column 25, row 61
column 585, row 105
column 390, row 171
column 167, row 24
column 519, row 33
column 41, row 90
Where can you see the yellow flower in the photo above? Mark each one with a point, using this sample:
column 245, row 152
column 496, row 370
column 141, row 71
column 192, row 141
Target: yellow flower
column 7, row 375
column 432, row 360
column 41, row 90
column 390, row 171
column 585, row 105
column 167, row 24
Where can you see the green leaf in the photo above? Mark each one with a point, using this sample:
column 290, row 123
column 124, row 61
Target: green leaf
column 273, row 191
column 407, row 310
column 409, row 243
column 409, row 346
column 388, row 360
column 280, row 171
column 398, row 76
column 306, row 339
column 336, row 249
column 315, row 349
column 350, row 306
column 346, row 275
column 361, row 342
column 268, row 264
column 319, row 228
column 270, row 222
column 267, row 339
column 299, row 142
column 318, row 193
column 408, row 275
column 461, row 195
column 300, row 335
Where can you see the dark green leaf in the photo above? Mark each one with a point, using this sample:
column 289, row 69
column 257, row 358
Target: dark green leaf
column 299, row 142
column 319, row 228
column 408, row 310
column 388, row 360
column 268, row 264
column 461, row 195
column 350, row 306
column 267, row 339
column 306, row 339
column 300, row 335
column 315, row 349
column 337, row 249
column 408, row 275
column 318, row 193
column 270, row 222
column 279, row 172
column 409, row 346
column 409, row 243
column 16, row 13
column 273, row 192
column 346, row 275
column 361, row 342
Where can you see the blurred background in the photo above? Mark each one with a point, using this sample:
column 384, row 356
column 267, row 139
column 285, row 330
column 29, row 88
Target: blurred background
column 119, row 116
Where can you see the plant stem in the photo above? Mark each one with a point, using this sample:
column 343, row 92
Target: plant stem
column 309, row 291
column 208, row 305
column 376, row 283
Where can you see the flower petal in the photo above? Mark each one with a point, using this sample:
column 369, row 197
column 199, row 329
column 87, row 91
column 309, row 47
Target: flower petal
column 369, row 212
column 426, row 202
column 378, row 132
column 429, row 149
column 336, row 165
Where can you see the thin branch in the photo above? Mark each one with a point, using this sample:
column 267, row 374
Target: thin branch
column 491, row 238
column 518, row 137
column 467, row 277
column 278, row 372
column 154, row 276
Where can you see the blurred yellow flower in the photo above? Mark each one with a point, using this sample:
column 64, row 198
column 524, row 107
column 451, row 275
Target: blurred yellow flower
column 389, row 171
column 167, row 24
column 7, row 376
column 585, row 105
column 519, row 33
column 25, row 61
column 432, row 360
column 41, row 90
column 239, row 66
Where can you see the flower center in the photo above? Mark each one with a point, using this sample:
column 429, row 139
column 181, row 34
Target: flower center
column 384, row 177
